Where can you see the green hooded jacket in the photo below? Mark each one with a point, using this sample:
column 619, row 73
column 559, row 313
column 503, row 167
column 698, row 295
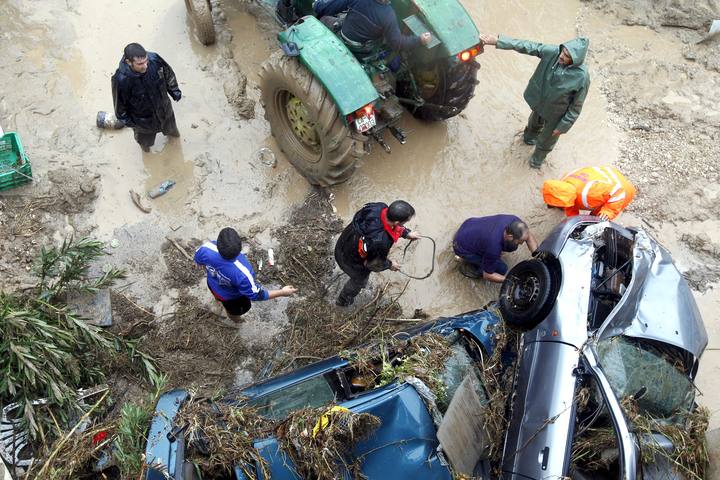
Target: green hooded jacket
column 555, row 92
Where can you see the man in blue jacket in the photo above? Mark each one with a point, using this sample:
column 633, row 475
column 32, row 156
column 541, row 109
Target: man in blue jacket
column 140, row 89
column 370, row 20
column 230, row 277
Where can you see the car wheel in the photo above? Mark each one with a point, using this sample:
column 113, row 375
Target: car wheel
column 525, row 295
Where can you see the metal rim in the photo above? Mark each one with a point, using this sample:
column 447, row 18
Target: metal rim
column 428, row 81
column 524, row 292
column 296, row 118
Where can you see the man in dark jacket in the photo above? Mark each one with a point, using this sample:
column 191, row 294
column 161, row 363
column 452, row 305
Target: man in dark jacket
column 480, row 241
column 556, row 91
column 230, row 277
column 364, row 245
column 140, row 89
column 369, row 20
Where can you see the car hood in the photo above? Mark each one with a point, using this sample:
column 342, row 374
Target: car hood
column 658, row 304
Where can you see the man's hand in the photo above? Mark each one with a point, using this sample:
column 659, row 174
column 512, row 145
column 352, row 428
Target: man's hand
column 413, row 236
column 556, row 133
column 288, row 291
column 177, row 95
column 425, row 38
column 394, row 266
column 603, row 217
column 489, row 39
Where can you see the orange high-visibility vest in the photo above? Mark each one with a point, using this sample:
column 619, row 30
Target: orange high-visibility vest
column 602, row 190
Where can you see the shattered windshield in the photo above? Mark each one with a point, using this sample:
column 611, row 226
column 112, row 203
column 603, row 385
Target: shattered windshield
column 652, row 376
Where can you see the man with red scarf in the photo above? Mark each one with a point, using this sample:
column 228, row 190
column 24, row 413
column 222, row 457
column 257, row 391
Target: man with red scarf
column 364, row 245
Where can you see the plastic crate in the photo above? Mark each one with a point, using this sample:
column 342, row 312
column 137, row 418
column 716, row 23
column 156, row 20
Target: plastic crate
column 15, row 167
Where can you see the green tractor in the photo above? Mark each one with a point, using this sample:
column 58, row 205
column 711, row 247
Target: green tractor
column 327, row 101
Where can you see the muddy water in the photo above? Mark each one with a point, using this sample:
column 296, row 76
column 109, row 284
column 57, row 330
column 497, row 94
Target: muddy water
column 474, row 164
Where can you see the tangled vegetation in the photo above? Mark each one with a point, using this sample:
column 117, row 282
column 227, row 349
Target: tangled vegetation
column 48, row 352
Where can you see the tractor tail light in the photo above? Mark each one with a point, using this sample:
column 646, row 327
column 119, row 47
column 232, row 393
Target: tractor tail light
column 469, row 54
column 365, row 118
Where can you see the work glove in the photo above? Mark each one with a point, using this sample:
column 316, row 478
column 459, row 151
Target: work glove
column 176, row 95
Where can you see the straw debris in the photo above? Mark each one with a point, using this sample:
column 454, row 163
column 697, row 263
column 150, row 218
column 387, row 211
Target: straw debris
column 688, row 458
column 220, row 436
column 319, row 440
column 497, row 378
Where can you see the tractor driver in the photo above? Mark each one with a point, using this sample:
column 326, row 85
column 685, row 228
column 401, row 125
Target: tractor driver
column 369, row 20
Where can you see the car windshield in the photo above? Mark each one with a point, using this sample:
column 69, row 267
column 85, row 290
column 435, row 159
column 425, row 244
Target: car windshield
column 651, row 375
column 277, row 405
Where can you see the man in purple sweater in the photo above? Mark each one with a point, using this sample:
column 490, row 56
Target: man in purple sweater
column 480, row 241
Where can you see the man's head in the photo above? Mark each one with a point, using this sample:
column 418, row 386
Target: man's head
column 515, row 234
column 399, row 212
column 565, row 57
column 229, row 243
column 557, row 193
column 136, row 56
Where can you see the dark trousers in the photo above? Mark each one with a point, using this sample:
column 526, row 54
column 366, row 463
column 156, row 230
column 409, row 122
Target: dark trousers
column 539, row 130
column 146, row 138
column 358, row 274
column 478, row 262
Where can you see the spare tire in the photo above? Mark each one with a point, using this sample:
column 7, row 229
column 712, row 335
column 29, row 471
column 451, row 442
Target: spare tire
column 525, row 295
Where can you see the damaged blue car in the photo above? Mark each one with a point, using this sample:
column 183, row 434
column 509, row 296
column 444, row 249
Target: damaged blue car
column 405, row 445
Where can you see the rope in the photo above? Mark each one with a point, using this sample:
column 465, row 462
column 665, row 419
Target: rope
column 432, row 267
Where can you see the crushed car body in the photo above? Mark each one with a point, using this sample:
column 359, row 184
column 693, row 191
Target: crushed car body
column 616, row 304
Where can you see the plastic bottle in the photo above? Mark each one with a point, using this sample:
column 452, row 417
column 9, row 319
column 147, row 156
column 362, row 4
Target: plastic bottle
column 161, row 189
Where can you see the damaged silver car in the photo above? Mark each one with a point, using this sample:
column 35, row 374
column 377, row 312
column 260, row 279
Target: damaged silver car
column 604, row 383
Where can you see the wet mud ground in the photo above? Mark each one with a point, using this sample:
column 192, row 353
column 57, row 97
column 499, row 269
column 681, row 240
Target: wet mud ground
column 652, row 110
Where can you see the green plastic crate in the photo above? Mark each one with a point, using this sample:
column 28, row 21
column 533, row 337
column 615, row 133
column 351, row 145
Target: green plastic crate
column 15, row 167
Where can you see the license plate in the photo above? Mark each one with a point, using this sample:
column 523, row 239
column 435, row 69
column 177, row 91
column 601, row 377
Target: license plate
column 365, row 123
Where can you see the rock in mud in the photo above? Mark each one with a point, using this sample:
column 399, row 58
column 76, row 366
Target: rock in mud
column 74, row 189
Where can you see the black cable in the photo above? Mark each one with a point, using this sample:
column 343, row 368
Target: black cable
column 432, row 267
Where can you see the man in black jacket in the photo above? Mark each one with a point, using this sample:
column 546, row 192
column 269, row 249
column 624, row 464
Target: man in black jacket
column 364, row 245
column 140, row 89
column 369, row 20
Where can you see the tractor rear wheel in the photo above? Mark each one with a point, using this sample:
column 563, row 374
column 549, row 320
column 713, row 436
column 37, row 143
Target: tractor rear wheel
column 446, row 87
column 306, row 123
column 200, row 12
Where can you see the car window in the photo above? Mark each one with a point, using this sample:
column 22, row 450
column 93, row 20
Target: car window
column 457, row 366
column 277, row 405
column 652, row 376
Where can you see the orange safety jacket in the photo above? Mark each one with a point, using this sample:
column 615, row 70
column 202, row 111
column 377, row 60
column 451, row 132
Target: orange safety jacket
column 602, row 190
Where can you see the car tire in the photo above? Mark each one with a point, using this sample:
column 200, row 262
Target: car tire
column 200, row 12
column 306, row 123
column 525, row 295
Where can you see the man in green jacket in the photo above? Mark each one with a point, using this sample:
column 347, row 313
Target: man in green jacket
column 556, row 91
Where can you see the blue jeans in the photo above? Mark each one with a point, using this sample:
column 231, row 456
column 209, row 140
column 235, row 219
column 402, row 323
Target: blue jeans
column 478, row 261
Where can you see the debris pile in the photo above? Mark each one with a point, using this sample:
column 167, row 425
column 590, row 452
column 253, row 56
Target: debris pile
column 220, row 436
column 319, row 440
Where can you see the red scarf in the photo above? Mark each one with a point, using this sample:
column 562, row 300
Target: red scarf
column 394, row 232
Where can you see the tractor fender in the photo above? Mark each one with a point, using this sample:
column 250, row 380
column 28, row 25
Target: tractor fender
column 330, row 61
column 447, row 19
